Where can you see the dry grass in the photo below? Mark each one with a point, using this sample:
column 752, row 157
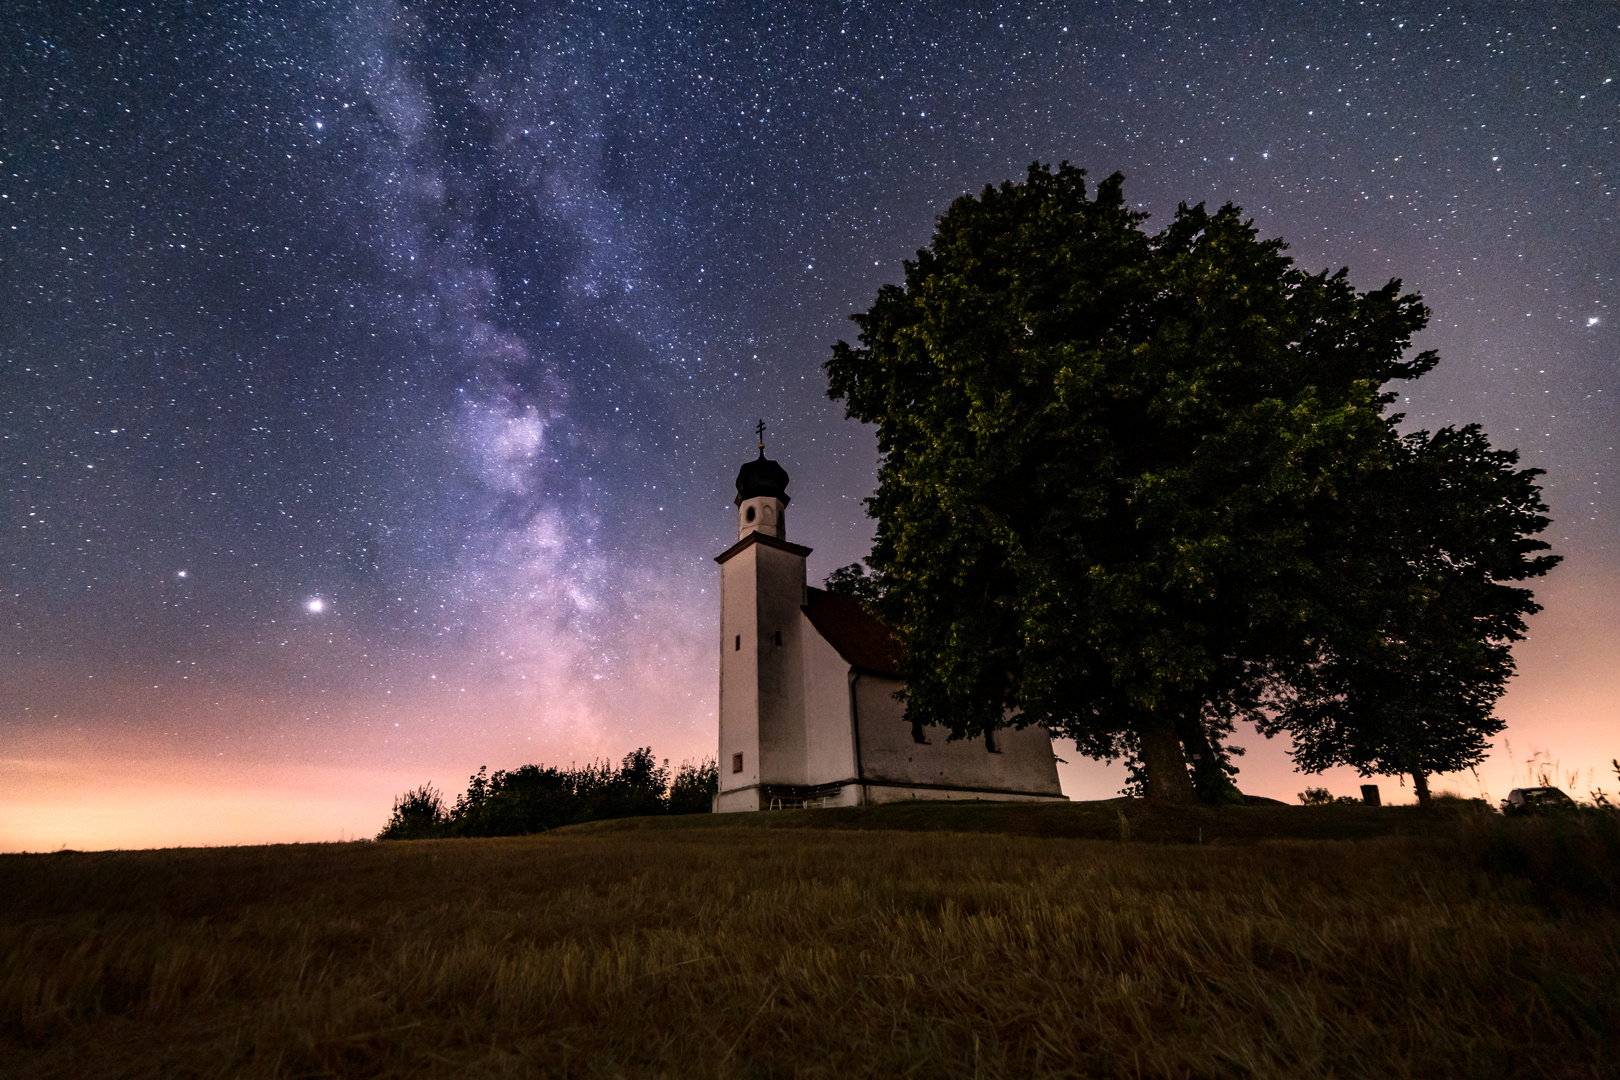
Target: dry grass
column 746, row 952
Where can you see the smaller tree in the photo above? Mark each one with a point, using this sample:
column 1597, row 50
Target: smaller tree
column 418, row 815
column 639, row 786
column 1424, row 613
column 694, row 787
column 529, row 799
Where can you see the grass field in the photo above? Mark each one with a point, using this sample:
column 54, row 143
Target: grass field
column 920, row 940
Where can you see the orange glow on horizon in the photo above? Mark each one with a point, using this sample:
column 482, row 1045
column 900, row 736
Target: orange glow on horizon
column 84, row 792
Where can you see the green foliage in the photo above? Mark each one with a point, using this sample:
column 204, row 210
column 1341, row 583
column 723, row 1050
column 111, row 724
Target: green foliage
column 1136, row 487
column 1453, row 805
column 1413, row 657
column 694, row 787
column 1321, row 796
column 1107, row 457
column 417, row 815
column 854, row 581
column 534, row 798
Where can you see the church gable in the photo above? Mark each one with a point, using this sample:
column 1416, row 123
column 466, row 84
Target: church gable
column 863, row 640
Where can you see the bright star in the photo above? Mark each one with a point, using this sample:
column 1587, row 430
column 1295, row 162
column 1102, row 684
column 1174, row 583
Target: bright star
column 182, row 573
column 316, row 604
column 1593, row 321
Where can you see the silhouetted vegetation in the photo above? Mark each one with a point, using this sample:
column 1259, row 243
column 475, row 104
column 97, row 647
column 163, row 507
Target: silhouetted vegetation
column 855, row 582
column 1135, row 487
column 534, row 798
column 418, row 814
column 693, row 789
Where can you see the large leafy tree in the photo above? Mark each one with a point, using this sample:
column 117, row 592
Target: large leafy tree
column 1417, row 648
column 1112, row 465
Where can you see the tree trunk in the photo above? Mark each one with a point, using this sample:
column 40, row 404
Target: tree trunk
column 1209, row 779
column 1166, row 768
column 1420, row 781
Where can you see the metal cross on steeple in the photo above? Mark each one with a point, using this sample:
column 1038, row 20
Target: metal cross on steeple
column 760, row 430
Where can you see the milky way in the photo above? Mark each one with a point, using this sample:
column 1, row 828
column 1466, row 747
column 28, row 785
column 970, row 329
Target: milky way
column 372, row 377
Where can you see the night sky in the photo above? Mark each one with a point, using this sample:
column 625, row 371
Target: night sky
column 373, row 376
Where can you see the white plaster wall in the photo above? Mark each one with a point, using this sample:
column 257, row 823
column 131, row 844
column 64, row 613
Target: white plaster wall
column 1024, row 765
column 884, row 793
column 739, row 675
column 848, row 795
column 829, row 738
column 779, row 598
column 731, row 801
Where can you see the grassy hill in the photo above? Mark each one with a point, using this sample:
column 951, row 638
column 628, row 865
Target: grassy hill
column 970, row 940
column 1107, row 819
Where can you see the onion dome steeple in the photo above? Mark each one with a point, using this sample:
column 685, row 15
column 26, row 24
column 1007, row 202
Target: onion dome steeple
column 762, row 477
column 762, row 494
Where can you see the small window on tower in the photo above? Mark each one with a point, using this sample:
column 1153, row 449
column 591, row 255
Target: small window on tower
column 737, row 647
column 749, row 516
column 917, row 733
column 990, row 742
column 736, row 763
column 779, row 637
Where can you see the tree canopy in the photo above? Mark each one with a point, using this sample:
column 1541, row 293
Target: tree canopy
column 1406, row 675
column 1118, row 471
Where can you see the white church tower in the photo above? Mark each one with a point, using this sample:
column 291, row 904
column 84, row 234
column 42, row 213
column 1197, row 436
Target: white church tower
column 808, row 714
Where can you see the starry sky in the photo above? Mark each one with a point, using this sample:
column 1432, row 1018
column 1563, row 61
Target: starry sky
column 373, row 375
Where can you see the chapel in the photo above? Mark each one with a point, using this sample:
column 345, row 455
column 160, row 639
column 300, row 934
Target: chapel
column 808, row 714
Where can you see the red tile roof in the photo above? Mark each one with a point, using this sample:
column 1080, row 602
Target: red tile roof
column 859, row 636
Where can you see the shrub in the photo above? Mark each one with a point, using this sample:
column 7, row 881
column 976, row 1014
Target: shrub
column 695, row 787
column 418, row 814
column 535, row 798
